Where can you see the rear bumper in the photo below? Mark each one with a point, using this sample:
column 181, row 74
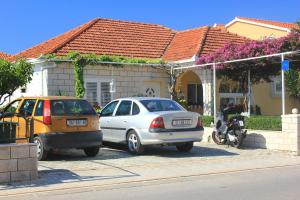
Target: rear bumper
column 171, row 136
column 65, row 140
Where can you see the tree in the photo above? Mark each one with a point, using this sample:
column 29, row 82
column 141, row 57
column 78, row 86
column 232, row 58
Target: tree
column 13, row 76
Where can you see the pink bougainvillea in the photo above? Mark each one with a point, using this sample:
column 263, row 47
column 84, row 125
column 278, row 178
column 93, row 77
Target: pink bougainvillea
column 253, row 48
column 260, row 69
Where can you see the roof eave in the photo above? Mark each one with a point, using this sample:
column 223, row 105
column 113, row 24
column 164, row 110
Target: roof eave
column 236, row 19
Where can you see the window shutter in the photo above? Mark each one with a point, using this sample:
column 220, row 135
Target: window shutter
column 105, row 93
column 91, row 92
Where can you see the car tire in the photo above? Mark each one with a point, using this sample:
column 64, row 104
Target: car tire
column 185, row 147
column 134, row 144
column 91, row 151
column 42, row 154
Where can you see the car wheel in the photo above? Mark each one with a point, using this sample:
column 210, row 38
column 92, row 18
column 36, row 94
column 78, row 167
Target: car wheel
column 185, row 147
column 41, row 152
column 91, row 151
column 134, row 143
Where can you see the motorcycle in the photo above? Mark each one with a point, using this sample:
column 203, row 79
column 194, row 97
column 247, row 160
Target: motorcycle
column 230, row 131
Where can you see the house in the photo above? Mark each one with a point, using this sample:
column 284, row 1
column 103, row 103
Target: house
column 130, row 39
column 4, row 56
column 267, row 96
column 139, row 40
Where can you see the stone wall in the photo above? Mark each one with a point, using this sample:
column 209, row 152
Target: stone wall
column 287, row 140
column 128, row 79
column 18, row 162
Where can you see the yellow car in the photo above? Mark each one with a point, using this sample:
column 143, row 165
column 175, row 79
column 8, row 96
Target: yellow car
column 59, row 122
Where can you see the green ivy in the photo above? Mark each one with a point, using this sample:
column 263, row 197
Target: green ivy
column 79, row 61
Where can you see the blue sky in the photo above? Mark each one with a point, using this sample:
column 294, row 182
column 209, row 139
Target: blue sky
column 25, row 23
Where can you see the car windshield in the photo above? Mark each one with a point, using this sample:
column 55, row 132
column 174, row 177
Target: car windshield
column 71, row 107
column 157, row 105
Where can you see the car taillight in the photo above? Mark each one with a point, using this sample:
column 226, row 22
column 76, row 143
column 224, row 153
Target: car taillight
column 47, row 113
column 199, row 123
column 157, row 123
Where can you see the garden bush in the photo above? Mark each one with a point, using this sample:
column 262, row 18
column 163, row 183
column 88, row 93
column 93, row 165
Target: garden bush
column 263, row 123
column 206, row 120
column 256, row 122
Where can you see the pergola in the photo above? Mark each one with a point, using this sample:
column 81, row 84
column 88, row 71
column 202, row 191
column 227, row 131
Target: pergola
column 214, row 64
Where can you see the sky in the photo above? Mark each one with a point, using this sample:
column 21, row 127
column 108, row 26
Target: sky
column 25, row 23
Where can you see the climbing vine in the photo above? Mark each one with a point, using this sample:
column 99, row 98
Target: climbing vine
column 79, row 61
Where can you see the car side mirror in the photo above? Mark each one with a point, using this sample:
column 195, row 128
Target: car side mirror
column 99, row 114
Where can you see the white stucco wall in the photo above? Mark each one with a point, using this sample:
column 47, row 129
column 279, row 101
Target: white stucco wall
column 37, row 86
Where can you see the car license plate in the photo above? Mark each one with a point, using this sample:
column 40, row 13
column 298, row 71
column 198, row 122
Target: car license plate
column 76, row 122
column 241, row 123
column 182, row 122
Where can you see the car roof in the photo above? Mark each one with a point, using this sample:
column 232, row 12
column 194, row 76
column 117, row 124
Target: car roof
column 143, row 98
column 49, row 97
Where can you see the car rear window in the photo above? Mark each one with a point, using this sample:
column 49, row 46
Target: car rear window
column 71, row 107
column 157, row 105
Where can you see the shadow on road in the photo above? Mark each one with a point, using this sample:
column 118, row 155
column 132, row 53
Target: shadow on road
column 117, row 151
column 61, row 176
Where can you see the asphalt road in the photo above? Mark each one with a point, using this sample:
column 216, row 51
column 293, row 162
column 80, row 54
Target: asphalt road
column 271, row 183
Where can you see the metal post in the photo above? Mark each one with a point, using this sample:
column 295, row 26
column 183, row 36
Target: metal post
column 31, row 130
column 215, row 92
column 282, row 87
column 249, row 94
column 171, row 80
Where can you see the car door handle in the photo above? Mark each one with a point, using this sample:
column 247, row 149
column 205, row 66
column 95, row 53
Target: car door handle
column 125, row 121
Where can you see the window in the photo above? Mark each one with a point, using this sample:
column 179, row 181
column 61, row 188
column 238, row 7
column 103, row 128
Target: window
column 135, row 109
column 39, row 108
column 109, row 109
column 105, row 93
column 91, row 92
column 160, row 105
column 71, row 107
column 12, row 107
column 276, row 85
column 27, row 106
column 124, row 108
column 195, row 94
column 97, row 92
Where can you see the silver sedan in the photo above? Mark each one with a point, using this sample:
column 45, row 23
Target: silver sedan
column 142, row 121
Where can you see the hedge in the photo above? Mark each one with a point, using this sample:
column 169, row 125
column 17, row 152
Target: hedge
column 255, row 122
column 263, row 123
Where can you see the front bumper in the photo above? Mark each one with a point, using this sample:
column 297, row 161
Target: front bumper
column 171, row 136
column 66, row 140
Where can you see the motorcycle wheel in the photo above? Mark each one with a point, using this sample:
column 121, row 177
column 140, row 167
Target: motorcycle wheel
column 217, row 139
column 239, row 139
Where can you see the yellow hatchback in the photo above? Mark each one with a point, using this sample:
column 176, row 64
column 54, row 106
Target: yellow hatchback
column 59, row 123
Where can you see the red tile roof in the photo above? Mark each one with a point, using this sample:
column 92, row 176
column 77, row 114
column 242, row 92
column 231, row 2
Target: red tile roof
column 185, row 44
column 273, row 23
column 108, row 37
column 199, row 41
column 4, row 55
column 132, row 39
column 217, row 38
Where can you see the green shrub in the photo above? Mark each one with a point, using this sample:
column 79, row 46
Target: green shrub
column 263, row 123
column 258, row 122
column 206, row 120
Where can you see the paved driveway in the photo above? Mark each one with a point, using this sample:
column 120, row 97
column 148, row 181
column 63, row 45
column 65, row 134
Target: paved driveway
column 72, row 169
